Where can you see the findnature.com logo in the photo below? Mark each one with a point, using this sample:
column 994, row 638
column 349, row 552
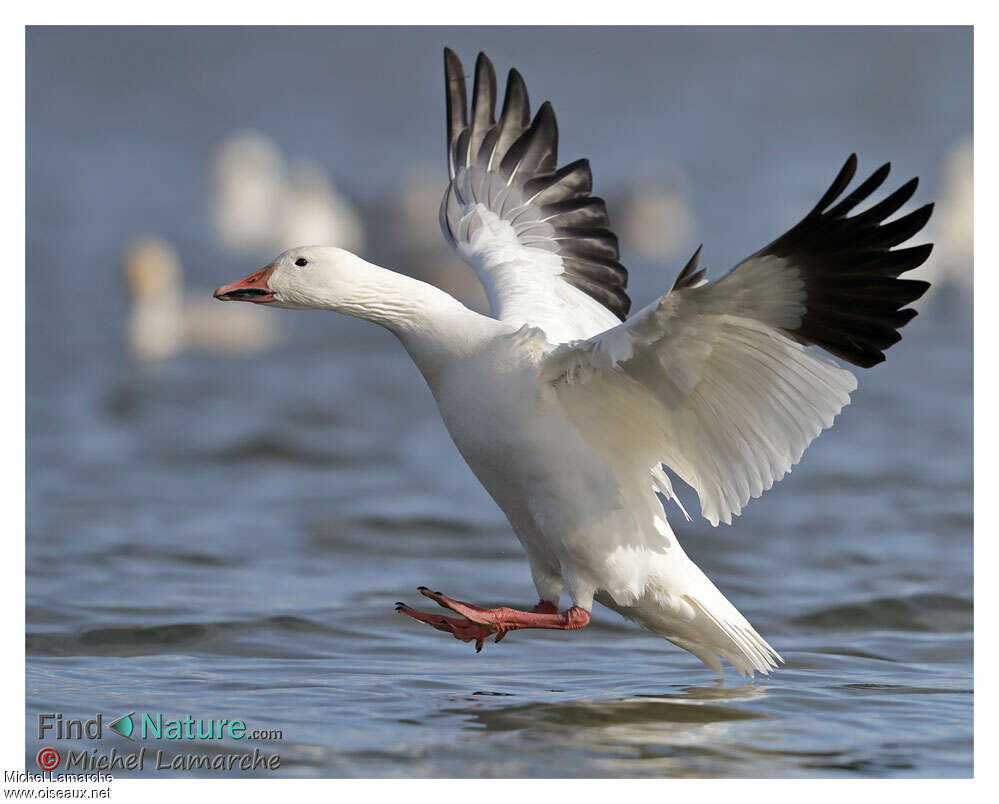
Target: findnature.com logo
column 146, row 726
column 153, row 726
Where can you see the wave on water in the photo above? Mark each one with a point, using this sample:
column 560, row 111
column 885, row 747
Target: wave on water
column 934, row 613
column 171, row 638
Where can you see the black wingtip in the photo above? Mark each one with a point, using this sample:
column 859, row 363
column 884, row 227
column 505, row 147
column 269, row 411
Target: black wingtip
column 452, row 60
column 535, row 152
column 452, row 65
column 690, row 276
column 861, row 193
column 909, row 188
column 545, row 121
column 515, row 118
column 545, row 112
column 516, row 101
column 484, row 72
column 849, row 168
column 887, row 206
column 456, row 103
column 482, row 117
column 919, row 287
column 843, row 178
column 854, row 296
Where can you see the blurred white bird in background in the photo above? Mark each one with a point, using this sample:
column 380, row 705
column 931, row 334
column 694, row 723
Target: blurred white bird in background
column 951, row 266
column 247, row 180
column 164, row 321
column 262, row 205
column 656, row 220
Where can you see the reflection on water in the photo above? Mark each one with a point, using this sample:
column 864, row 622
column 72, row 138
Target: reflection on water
column 647, row 733
column 226, row 536
column 630, row 716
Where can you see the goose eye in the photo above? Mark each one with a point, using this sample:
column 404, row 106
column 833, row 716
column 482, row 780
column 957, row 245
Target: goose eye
column 301, row 262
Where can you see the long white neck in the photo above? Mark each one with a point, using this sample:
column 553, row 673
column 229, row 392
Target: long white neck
column 432, row 325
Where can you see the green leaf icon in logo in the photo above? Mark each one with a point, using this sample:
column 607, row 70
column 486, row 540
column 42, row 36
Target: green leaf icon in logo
column 123, row 725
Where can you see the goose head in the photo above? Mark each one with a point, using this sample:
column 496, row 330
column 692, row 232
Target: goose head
column 329, row 278
column 309, row 277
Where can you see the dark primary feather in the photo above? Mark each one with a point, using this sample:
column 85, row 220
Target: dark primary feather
column 571, row 181
column 525, row 154
column 457, row 112
column 483, row 105
column 855, row 301
column 514, row 120
column 690, row 276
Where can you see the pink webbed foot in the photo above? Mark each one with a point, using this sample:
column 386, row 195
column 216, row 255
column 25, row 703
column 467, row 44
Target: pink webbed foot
column 462, row 629
column 477, row 623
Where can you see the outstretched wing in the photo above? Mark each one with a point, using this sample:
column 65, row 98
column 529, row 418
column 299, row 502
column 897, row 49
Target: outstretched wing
column 717, row 375
column 539, row 242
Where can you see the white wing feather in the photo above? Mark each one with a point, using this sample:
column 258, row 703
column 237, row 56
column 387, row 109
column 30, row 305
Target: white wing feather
column 724, row 398
column 715, row 377
column 523, row 282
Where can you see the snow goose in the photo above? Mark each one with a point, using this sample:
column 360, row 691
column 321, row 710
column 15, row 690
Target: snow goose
column 953, row 227
column 259, row 201
column 164, row 321
column 567, row 410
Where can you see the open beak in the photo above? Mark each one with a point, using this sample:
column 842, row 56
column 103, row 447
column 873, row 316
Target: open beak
column 252, row 288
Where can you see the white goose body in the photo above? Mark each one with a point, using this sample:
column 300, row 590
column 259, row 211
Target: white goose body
column 587, row 528
column 567, row 410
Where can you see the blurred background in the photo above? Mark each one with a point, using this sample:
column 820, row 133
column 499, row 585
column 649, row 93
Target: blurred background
column 224, row 501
